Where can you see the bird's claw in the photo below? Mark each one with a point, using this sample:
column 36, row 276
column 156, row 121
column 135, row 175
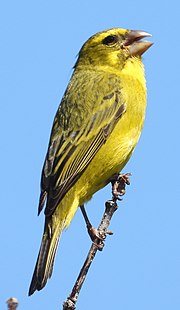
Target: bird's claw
column 97, row 237
column 119, row 182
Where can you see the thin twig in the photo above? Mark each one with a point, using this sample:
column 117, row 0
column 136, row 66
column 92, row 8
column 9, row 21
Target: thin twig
column 12, row 303
column 111, row 207
column 119, row 182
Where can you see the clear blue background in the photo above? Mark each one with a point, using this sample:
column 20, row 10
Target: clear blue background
column 139, row 267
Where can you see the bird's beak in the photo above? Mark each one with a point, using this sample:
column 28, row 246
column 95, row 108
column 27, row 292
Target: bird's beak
column 134, row 44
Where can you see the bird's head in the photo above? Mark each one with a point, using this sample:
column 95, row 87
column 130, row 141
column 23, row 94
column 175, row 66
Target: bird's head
column 112, row 47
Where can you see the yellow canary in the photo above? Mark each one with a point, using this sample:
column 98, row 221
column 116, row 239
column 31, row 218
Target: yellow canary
column 95, row 131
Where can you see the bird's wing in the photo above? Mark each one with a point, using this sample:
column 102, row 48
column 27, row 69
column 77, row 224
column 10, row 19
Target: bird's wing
column 69, row 155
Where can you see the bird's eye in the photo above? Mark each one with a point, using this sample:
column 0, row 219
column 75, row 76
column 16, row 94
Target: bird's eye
column 110, row 40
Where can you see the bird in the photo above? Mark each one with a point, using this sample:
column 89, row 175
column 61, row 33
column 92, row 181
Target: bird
column 95, row 130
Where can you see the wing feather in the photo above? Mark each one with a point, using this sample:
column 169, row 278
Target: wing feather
column 69, row 154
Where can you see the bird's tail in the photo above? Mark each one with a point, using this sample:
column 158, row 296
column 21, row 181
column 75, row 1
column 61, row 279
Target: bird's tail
column 44, row 265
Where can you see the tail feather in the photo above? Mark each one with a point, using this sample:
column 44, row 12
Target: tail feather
column 45, row 261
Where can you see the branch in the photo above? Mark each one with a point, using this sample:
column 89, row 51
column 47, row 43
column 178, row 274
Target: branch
column 118, row 189
column 12, row 303
column 111, row 207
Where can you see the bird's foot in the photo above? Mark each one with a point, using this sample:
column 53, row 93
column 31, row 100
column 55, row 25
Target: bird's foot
column 98, row 237
column 119, row 182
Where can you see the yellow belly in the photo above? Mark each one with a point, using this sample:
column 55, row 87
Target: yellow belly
column 113, row 155
column 111, row 159
column 117, row 150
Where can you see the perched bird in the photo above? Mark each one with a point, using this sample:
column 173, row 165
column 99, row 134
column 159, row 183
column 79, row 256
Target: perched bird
column 95, row 131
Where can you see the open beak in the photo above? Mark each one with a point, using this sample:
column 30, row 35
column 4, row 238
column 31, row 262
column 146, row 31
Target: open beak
column 134, row 43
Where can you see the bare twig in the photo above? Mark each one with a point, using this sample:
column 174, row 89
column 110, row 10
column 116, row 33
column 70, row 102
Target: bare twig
column 118, row 182
column 12, row 303
column 111, row 207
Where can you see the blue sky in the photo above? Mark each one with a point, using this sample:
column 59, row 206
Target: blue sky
column 39, row 44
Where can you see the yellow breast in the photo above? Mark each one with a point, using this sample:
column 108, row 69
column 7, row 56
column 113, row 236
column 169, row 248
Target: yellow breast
column 117, row 150
column 115, row 153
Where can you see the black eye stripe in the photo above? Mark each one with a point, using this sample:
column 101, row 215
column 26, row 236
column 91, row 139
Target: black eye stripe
column 110, row 40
